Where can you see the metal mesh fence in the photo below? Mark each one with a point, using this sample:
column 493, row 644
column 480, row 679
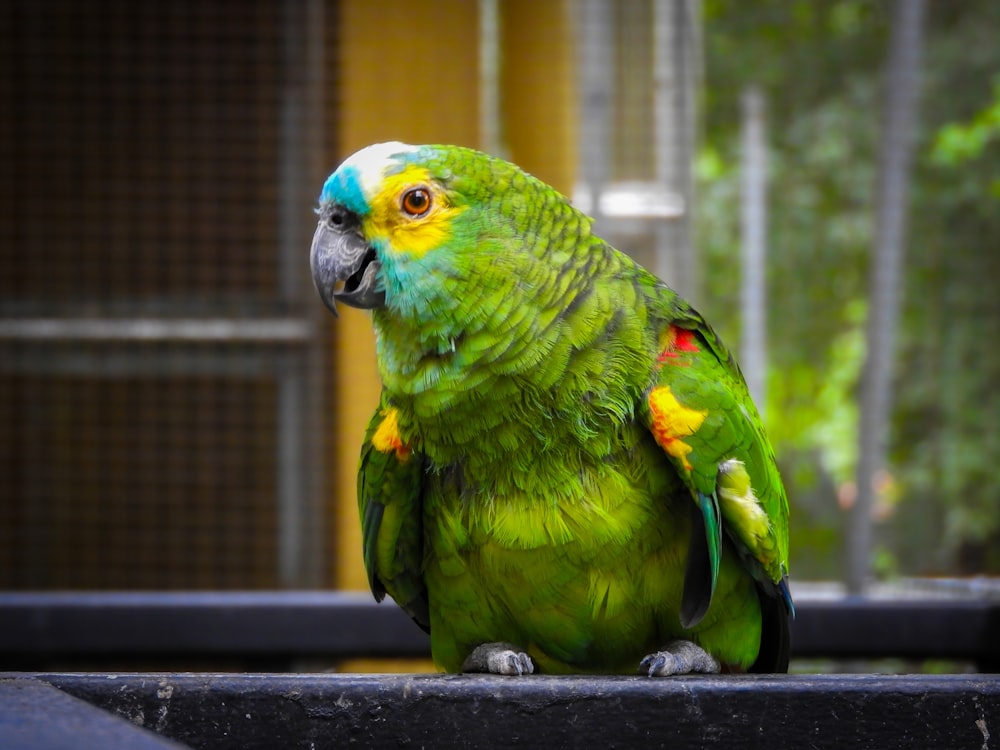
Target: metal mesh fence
column 160, row 369
column 141, row 163
column 138, row 482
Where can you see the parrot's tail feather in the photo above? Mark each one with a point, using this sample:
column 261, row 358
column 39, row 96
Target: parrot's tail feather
column 702, row 568
column 373, row 518
column 775, row 640
column 786, row 596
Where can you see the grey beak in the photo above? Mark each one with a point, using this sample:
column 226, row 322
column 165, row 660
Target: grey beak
column 345, row 268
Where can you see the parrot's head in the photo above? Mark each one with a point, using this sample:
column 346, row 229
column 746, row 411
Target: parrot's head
column 395, row 220
column 386, row 202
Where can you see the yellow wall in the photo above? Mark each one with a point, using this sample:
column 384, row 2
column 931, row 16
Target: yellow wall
column 410, row 72
column 538, row 89
column 405, row 72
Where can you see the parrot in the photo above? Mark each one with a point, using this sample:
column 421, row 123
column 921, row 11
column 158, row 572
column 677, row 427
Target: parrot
column 565, row 472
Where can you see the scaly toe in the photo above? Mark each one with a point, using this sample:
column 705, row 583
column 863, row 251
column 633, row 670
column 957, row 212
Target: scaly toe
column 679, row 657
column 498, row 658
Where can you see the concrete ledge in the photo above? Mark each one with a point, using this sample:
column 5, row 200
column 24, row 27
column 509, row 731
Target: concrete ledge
column 34, row 715
column 469, row 711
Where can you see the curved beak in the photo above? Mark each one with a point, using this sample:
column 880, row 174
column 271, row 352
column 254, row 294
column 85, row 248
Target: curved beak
column 344, row 266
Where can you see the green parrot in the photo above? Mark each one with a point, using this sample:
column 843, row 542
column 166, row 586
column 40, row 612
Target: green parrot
column 566, row 473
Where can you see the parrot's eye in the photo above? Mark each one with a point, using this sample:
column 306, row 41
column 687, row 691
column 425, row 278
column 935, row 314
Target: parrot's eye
column 416, row 201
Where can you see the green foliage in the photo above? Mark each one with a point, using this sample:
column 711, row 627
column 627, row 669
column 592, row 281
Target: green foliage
column 822, row 68
column 959, row 142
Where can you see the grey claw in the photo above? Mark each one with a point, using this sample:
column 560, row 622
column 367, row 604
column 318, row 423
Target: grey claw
column 519, row 663
column 653, row 664
column 679, row 657
column 498, row 658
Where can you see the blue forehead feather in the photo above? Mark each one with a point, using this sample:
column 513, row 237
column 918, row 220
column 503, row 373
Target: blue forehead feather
column 344, row 187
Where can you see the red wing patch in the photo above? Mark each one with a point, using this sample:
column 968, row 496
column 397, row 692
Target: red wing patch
column 676, row 341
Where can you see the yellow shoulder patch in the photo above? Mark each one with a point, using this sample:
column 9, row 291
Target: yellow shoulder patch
column 414, row 235
column 673, row 421
column 387, row 438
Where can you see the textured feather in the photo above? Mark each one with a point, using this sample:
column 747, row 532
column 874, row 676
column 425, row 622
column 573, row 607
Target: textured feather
column 389, row 487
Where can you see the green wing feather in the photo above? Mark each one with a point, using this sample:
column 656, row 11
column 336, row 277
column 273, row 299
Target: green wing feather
column 703, row 417
column 704, row 556
column 389, row 502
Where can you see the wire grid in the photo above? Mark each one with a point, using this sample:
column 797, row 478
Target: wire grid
column 141, row 159
column 141, row 179
column 138, row 483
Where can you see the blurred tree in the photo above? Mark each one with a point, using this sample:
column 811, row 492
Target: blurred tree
column 895, row 157
column 820, row 65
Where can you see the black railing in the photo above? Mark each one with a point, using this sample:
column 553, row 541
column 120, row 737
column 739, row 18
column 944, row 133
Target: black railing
column 41, row 632
column 37, row 629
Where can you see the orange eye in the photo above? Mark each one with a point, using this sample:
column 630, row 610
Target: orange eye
column 416, row 201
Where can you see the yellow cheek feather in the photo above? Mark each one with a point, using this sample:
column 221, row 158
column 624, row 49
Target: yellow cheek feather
column 673, row 421
column 404, row 234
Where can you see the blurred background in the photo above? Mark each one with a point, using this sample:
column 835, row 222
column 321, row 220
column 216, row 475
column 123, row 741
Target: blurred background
column 178, row 410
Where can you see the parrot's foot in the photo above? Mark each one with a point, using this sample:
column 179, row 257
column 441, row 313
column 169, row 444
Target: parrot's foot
column 498, row 658
column 679, row 657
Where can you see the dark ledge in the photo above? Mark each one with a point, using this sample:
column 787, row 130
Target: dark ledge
column 332, row 710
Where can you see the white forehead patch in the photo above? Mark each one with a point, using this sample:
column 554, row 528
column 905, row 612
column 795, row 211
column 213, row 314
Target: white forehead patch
column 371, row 162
